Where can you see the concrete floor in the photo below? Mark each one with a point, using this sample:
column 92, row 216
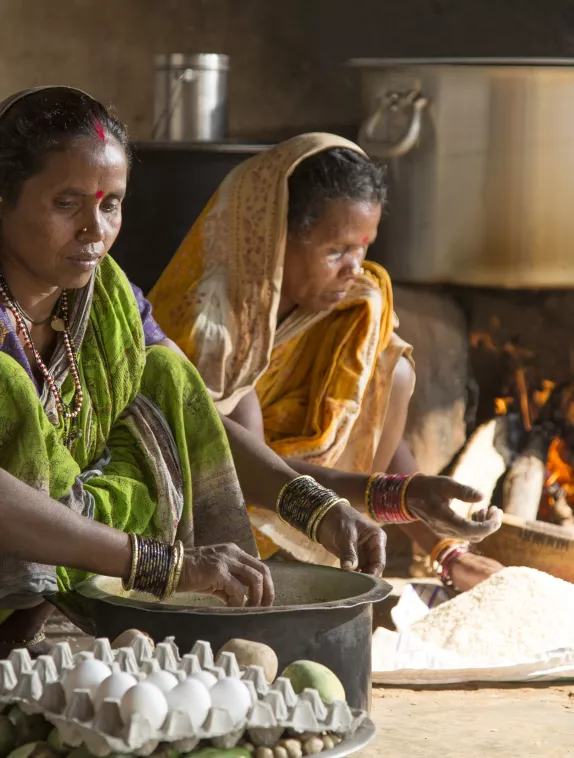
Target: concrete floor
column 473, row 723
column 470, row 722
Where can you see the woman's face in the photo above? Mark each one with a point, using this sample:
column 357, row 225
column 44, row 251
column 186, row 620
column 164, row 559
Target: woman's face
column 67, row 216
column 321, row 266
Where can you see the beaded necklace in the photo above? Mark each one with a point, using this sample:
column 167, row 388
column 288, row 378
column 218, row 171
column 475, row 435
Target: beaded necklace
column 59, row 324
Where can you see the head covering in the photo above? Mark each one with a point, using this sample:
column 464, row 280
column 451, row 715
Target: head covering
column 219, row 296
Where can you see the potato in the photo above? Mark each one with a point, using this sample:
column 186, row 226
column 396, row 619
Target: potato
column 250, row 653
column 126, row 638
column 313, row 746
column 293, row 747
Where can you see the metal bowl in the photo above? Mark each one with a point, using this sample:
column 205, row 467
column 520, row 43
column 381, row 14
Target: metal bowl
column 321, row 614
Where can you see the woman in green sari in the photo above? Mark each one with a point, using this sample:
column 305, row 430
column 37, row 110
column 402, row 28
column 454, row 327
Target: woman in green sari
column 98, row 410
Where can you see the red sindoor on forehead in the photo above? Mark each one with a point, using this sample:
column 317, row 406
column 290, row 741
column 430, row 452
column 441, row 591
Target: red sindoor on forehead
column 99, row 129
column 99, row 194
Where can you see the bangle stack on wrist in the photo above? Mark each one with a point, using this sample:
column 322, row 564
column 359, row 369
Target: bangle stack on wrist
column 303, row 504
column 386, row 498
column 156, row 566
column 444, row 555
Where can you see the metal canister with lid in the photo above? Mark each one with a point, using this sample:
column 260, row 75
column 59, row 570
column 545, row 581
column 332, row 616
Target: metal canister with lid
column 190, row 97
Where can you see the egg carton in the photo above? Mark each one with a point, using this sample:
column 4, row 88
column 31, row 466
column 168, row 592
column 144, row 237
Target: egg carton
column 36, row 686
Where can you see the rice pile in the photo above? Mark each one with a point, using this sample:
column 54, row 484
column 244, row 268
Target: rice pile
column 512, row 616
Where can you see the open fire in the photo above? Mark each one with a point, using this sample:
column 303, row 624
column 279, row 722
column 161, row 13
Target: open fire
column 538, row 438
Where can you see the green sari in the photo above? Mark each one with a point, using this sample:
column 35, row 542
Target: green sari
column 148, row 452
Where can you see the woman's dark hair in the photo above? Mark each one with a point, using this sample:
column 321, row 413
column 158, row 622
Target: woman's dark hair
column 43, row 123
column 335, row 174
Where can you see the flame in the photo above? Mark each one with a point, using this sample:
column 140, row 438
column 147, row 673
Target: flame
column 501, row 405
column 560, row 472
column 541, row 396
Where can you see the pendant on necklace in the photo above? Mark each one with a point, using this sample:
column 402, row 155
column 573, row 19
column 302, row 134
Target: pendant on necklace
column 58, row 324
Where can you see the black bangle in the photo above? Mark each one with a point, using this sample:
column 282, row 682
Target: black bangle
column 303, row 503
column 153, row 566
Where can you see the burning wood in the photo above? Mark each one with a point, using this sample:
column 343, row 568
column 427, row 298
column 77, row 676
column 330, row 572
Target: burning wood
column 482, row 462
column 539, row 479
column 525, row 479
column 539, row 482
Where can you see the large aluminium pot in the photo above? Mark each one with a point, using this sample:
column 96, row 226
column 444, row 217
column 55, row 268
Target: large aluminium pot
column 320, row 614
column 480, row 158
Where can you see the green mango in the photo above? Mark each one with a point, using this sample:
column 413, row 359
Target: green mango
column 83, row 752
column 34, row 750
column 309, row 674
column 29, row 727
column 165, row 750
column 55, row 741
column 8, row 736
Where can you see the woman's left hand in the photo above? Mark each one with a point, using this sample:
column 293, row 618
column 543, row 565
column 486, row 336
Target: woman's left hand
column 429, row 497
column 354, row 539
column 468, row 570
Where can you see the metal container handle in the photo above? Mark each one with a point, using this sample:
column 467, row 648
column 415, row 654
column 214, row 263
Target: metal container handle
column 393, row 101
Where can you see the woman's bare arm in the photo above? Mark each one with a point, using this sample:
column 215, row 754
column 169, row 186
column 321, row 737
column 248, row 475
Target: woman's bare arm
column 36, row 528
column 261, row 472
column 248, row 414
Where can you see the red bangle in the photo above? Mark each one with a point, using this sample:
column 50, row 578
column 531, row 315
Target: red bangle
column 385, row 498
column 446, row 562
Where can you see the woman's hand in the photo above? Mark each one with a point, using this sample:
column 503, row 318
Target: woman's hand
column 354, row 539
column 468, row 570
column 228, row 573
column 429, row 497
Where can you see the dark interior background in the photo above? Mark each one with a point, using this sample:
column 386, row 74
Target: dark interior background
column 168, row 189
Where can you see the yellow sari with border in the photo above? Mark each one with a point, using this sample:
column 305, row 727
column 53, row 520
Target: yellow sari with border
column 323, row 379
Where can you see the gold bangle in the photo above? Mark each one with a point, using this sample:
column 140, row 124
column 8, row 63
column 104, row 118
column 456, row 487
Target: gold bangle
column 442, row 545
column 128, row 587
column 174, row 570
column 404, row 508
column 316, row 517
column 35, row 640
column 178, row 565
column 320, row 514
column 168, row 591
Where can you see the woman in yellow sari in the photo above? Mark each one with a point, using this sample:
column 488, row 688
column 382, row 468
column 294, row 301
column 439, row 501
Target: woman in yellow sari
column 293, row 333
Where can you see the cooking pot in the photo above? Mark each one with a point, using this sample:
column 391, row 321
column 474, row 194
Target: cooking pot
column 480, row 157
column 320, row 614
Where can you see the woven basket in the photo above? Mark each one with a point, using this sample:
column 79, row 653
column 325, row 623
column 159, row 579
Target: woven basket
column 534, row 544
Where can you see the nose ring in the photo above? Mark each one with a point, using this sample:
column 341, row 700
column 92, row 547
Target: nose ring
column 85, row 229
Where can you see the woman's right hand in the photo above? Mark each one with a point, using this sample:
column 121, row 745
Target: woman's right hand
column 228, row 573
column 429, row 497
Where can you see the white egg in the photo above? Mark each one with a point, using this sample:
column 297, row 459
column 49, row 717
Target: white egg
column 163, row 680
column 87, row 675
column 206, row 678
column 232, row 696
column 115, row 686
column 191, row 697
column 147, row 701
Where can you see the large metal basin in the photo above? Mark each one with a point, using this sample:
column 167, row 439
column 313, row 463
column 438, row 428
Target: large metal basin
column 321, row 614
column 480, row 158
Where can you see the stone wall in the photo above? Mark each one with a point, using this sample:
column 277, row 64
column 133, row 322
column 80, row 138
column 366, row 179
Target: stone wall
column 287, row 57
